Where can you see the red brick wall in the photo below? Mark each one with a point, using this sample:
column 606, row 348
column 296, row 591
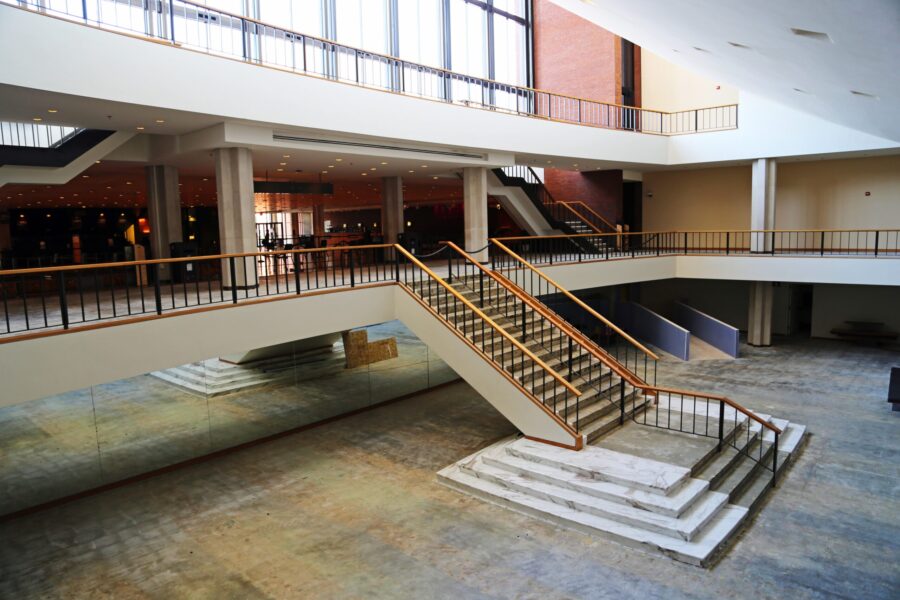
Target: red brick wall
column 575, row 57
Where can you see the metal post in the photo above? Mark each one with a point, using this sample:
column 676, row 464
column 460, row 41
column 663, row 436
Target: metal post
column 621, row 401
column 396, row 265
column 523, row 320
column 233, row 272
column 297, row 259
column 721, row 425
column 822, row 244
column 727, row 242
column 352, row 273
column 685, row 242
column 156, row 291
column 775, row 460
column 876, row 242
column 773, row 243
column 63, row 300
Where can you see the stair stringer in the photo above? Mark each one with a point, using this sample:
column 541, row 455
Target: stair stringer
column 519, row 206
column 531, row 418
column 61, row 175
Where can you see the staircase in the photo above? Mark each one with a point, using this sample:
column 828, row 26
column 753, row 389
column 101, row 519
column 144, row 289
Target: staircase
column 670, row 471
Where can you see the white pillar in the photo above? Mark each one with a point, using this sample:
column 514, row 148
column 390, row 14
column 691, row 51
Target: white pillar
column 762, row 218
column 164, row 211
column 762, row 203
column 392, row 223
column 475, row 211
column 237, row 223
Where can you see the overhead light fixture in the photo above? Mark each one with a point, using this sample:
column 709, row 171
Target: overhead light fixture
column 330, row 166
column 364, row 174
column 338, row 159
column 160, row 121
column 384, row 163
column 140, row 127
column 813, row 35
column 37, row 119
column 279, row 170
column 286, row 156
column 52, row 110
column 373, row 169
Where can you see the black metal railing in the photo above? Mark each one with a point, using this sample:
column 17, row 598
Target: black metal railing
column 876, row 243
column 510, row 351
column 60, row 297
column 621, row 347
column 193, row 25
column 714, row 417
column 591, row 219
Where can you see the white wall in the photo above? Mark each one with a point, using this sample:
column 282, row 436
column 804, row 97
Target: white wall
column 668, row 87
column 834, row 304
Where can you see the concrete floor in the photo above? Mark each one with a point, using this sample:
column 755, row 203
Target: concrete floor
column 352, row 509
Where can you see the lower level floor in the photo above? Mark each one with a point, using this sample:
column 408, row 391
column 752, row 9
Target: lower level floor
column 352, row 509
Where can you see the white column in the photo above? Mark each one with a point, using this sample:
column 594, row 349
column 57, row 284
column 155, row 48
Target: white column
column 392, row 223
column 237, row 223
column 475, row 211
column 164, row 211
column 762, row 218
column 762, row 203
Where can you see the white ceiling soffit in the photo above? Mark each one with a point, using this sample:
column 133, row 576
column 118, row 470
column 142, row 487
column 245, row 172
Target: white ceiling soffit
column 834, row 58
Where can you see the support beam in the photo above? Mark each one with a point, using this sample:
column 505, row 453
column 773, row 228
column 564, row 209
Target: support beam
column 759, row 322
column 475, row 211
column 237, row 225
column 391, row 209
column 762, row 203
column 164, row 212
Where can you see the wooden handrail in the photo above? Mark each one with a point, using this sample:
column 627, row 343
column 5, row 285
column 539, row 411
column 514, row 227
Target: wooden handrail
column 632, row 233
column 575, row 299
column 489, row 321
column 585, row 342
column 749, row 413
column 583, row 219
column 162, row 261
column 593, row 212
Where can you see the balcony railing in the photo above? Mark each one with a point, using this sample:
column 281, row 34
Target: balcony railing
column 190, row 25
column 34, row 135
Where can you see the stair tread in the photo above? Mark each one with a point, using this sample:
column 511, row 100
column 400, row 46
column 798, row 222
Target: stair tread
column 607, row 465
column 684, row 527
column 672, row 505
column 698, row 551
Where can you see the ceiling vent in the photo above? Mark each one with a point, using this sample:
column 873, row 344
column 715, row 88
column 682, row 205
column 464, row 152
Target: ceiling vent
column 863, row 94
column 813, row 35
column 737, row 45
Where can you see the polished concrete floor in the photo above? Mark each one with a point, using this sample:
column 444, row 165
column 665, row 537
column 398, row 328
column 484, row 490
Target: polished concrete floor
column 352, row 509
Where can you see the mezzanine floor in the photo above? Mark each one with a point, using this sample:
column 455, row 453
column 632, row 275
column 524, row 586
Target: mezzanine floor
column 352, row 509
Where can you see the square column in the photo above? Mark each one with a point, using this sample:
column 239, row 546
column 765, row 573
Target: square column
column 762, row 203
column 759, row 322
column 237, row 223
column 475, row 211
column 392, row 223
column 164, row 212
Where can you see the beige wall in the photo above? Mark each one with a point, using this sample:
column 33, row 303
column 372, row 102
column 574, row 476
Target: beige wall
column 668, row 87
column 831, row 194
column 697, row 199
column 825, row 194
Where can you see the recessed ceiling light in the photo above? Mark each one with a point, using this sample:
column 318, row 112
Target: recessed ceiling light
column 864, row 94
column 364, row 174
column 330, row 166
column 435, row 177
column 96, row 162
column 286, row 156
column 338, row 159
column 127, row 183
column 411, row 171
column 324, row 171
column 384, row 163
column 738, row 45
column 85, row 176
column 814, row 35
column 279, row 170
column 424, row 166
column 38, row 119
column 283, row 164
column 160, row 121
column 140, row 127
column 698, row 49
column 373, row 169
column 52, row 110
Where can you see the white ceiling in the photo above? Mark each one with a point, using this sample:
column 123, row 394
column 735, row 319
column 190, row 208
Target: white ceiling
column 859, row 54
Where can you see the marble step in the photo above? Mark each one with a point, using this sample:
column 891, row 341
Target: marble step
column 210, row 390
column 605, row 465
column 672, row 506
column 699, row 551
column 721, row 463
column 685, row 527
column 755, row 490
column 757, row 454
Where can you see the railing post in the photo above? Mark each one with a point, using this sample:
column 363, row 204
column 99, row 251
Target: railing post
column 233, row 272
column 775, row 460
column 727, row 242
column 297, row 259
column 352, row 270
column 685, row 242
column 481, row 287
column 396, row 265
column 721, row 425
column 621, row 401
column 570, row 356
column 876, row 242
column 773, row 243
column 822, row 244
column 63, row 300
column 449, row 268
column 157, row 293
column 523, row 320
